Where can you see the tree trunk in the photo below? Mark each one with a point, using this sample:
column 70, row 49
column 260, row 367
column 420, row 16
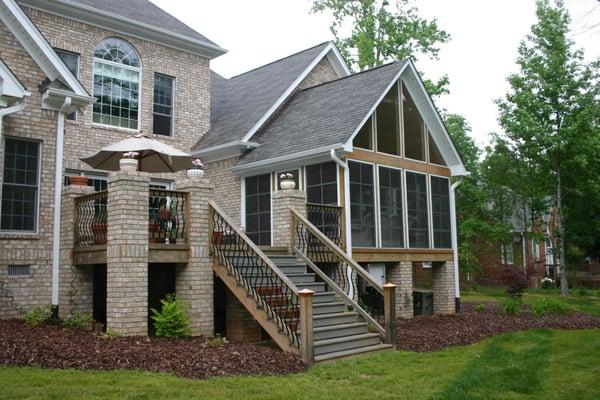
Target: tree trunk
column 564, row 284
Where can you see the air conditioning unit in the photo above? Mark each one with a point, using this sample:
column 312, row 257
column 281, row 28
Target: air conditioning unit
column 377, row 271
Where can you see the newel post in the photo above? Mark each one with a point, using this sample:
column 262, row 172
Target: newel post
column 389, row 310
column 306, row 325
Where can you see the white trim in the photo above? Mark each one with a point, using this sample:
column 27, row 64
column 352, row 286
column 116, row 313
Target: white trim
column 224, row 151
column 402, row 200
column 429, row 225
column 337, row 62
column 10, row 86
column 288, row 92
column 174, row 81
column 243, row 203
column 431, row 196
column 375, row 205
column 347, row 211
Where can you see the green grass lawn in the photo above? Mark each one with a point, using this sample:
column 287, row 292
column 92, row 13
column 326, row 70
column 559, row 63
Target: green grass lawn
column 587, row 301
column 537, row 364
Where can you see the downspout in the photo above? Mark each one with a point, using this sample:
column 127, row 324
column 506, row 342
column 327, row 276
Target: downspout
column 58, row 172
column 11, row 110
column 453, row 224
column 348, row 226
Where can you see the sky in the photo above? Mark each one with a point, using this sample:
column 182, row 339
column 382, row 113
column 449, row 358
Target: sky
column 481, row 54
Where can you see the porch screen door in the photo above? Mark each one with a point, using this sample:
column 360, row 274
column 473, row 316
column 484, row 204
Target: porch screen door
column 258, row 209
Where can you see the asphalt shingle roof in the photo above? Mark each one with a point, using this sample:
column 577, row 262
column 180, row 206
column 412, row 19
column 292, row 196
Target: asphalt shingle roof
column 323, row 115
column 146, row 12
column 237, row 104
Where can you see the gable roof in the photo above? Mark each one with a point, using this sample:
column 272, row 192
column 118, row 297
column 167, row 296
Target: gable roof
column 242, row 104
column 139, row 18
column 10, row 85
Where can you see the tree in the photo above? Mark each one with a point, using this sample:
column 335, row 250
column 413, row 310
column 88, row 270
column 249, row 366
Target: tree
column 379, row 34
column 548, row 112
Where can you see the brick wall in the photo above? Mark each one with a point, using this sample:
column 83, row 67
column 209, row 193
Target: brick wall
column 227, row 193
column 442, row 274
column 323, row 72
column 241, row 326
column 401, row 275
column 281, row 221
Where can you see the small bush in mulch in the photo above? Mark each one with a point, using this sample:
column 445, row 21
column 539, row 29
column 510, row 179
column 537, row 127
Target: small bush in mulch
column 548, row 305
column 435, row 332
column 512, row 306
column 57, row 347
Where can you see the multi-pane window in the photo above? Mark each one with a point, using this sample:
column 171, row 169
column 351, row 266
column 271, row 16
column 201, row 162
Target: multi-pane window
column 258, row 209
column 435, row 156
column 388, row 123
column 364, row 138
column 507, row 254
column 99, row 183
column 116, row 84
column 416, row 204
column 71, row 60
column 20, row 185
column 163, row 105
column 440, row 212
column 414, row 134
column 362, row 204
column 321, row 183
column 390, row 199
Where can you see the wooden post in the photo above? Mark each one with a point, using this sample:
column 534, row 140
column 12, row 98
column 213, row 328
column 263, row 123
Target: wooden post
column 389, row 310
column 306, row 325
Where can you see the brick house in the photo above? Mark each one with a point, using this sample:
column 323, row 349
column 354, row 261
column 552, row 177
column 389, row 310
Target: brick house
column 301, row 258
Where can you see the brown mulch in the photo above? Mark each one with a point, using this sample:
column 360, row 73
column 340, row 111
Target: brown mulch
column 55, row 347
column 435, row 332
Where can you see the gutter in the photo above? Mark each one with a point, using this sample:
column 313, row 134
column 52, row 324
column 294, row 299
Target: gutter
column 60, row 141
column 454, row 231
column 11, row 110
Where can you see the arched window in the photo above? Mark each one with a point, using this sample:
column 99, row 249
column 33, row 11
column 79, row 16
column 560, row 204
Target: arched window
column 116, row 84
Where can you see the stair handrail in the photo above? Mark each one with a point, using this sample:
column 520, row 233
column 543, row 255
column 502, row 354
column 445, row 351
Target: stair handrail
column 287, row 319
column 299, row 222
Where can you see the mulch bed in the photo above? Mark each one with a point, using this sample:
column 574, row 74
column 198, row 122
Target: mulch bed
column 435, row 332
column 57, row 347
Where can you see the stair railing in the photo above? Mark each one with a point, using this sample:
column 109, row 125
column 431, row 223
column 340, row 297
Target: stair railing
column 341, row 274
column 270, row 288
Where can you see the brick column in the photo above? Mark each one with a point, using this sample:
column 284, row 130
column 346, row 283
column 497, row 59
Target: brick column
column 443, row 287
column 240, row 325
column 283, row 200
column 401, row 275
column 76, row 282
column 194, row 281
column 127, row 253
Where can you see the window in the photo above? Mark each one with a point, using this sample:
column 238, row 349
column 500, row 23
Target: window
column 294, row 172
column 388, row 124
column 440, row 212
column 507, row 253
column 435, row 156
column 414, row 135
column 416, row 202
column 364, row 138
column 163, row 105
column 362, row 204
column 321, row 183
column 71, row 60
column 536, row 249
column 116, row 84
column 20, row 185
column 258, row 209
column 390, row 198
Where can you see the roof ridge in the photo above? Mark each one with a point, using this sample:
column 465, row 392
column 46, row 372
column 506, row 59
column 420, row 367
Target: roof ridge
column 279, row 59
column 353, row 75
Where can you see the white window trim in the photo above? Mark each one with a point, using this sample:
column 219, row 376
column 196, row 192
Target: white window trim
column 76, row 113
column 403, row 201
column 375, row 202
column 173, row 93
column 243, row 215
column 429, row 217
column 304, row 184
column 431, row 211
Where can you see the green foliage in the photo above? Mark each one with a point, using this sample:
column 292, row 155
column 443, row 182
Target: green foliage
column 480, row 307
column 512, row 306
column 173, row 319
column 37, row 316
column 381, row 31
column 79, row 321
column 217, row 341
column 548, row 305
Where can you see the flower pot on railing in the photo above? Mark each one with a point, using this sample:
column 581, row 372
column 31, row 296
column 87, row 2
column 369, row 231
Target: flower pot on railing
column 287, row 182
column 152, row 228
column 99, row 231
column 128, row 164
column 195, row 173
column 217, row 237
column 78, row 180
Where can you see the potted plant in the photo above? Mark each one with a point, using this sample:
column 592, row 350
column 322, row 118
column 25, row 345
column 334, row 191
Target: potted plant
column 78, row 180
column 197, row 170
column 287, row 181
column 99, row 227
column 129, row 162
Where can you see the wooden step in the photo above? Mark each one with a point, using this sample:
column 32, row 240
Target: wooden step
column 334, row 319
column 345, row 343
column 334, row 331
column 338, row 355
column 329, row 308
column 302, row 278
column 315, row 286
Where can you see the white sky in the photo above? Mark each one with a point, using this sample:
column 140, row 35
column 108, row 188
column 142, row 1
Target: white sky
column 485, row 36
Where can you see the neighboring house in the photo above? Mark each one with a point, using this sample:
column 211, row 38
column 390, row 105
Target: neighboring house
column 368, row 152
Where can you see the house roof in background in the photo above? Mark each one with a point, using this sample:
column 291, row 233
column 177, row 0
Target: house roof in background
column 10, row 85
column 240, row 103
column 323, row 116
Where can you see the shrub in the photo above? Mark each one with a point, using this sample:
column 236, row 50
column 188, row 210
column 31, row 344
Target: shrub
column 37, row 316
column 547, row 283
column 512, row 306
column 548, row 305
column 582, row 292
column 515, row 280
column 173, row 319
column 480, row 307
column 78, row 321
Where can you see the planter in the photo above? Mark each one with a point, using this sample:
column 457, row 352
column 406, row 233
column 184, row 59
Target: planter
column 78, row 180
column 164, row 214
column 99, row 232
column 217, row 237
column 195, row 173
column 287, row 184
column 128, row 164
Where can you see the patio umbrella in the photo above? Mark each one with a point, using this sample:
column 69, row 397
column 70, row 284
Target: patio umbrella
column 154, row 156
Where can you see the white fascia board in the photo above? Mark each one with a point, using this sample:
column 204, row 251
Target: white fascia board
column 287, row 93
column 90, row 15
column 10, row 86
column 288, row 161
column 337, row 62
column 19, row 24
column 224, row 151
column 53, row 99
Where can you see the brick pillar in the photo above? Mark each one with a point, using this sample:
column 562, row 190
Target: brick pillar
column 401, row 275
column 442, row 274
column 241, row 326
column 194, row 281
column 76, row 282
column 127, row 253
column 283, row 200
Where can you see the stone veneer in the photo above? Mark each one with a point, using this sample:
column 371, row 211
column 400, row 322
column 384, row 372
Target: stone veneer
column 401, row 275
column 443, row 287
